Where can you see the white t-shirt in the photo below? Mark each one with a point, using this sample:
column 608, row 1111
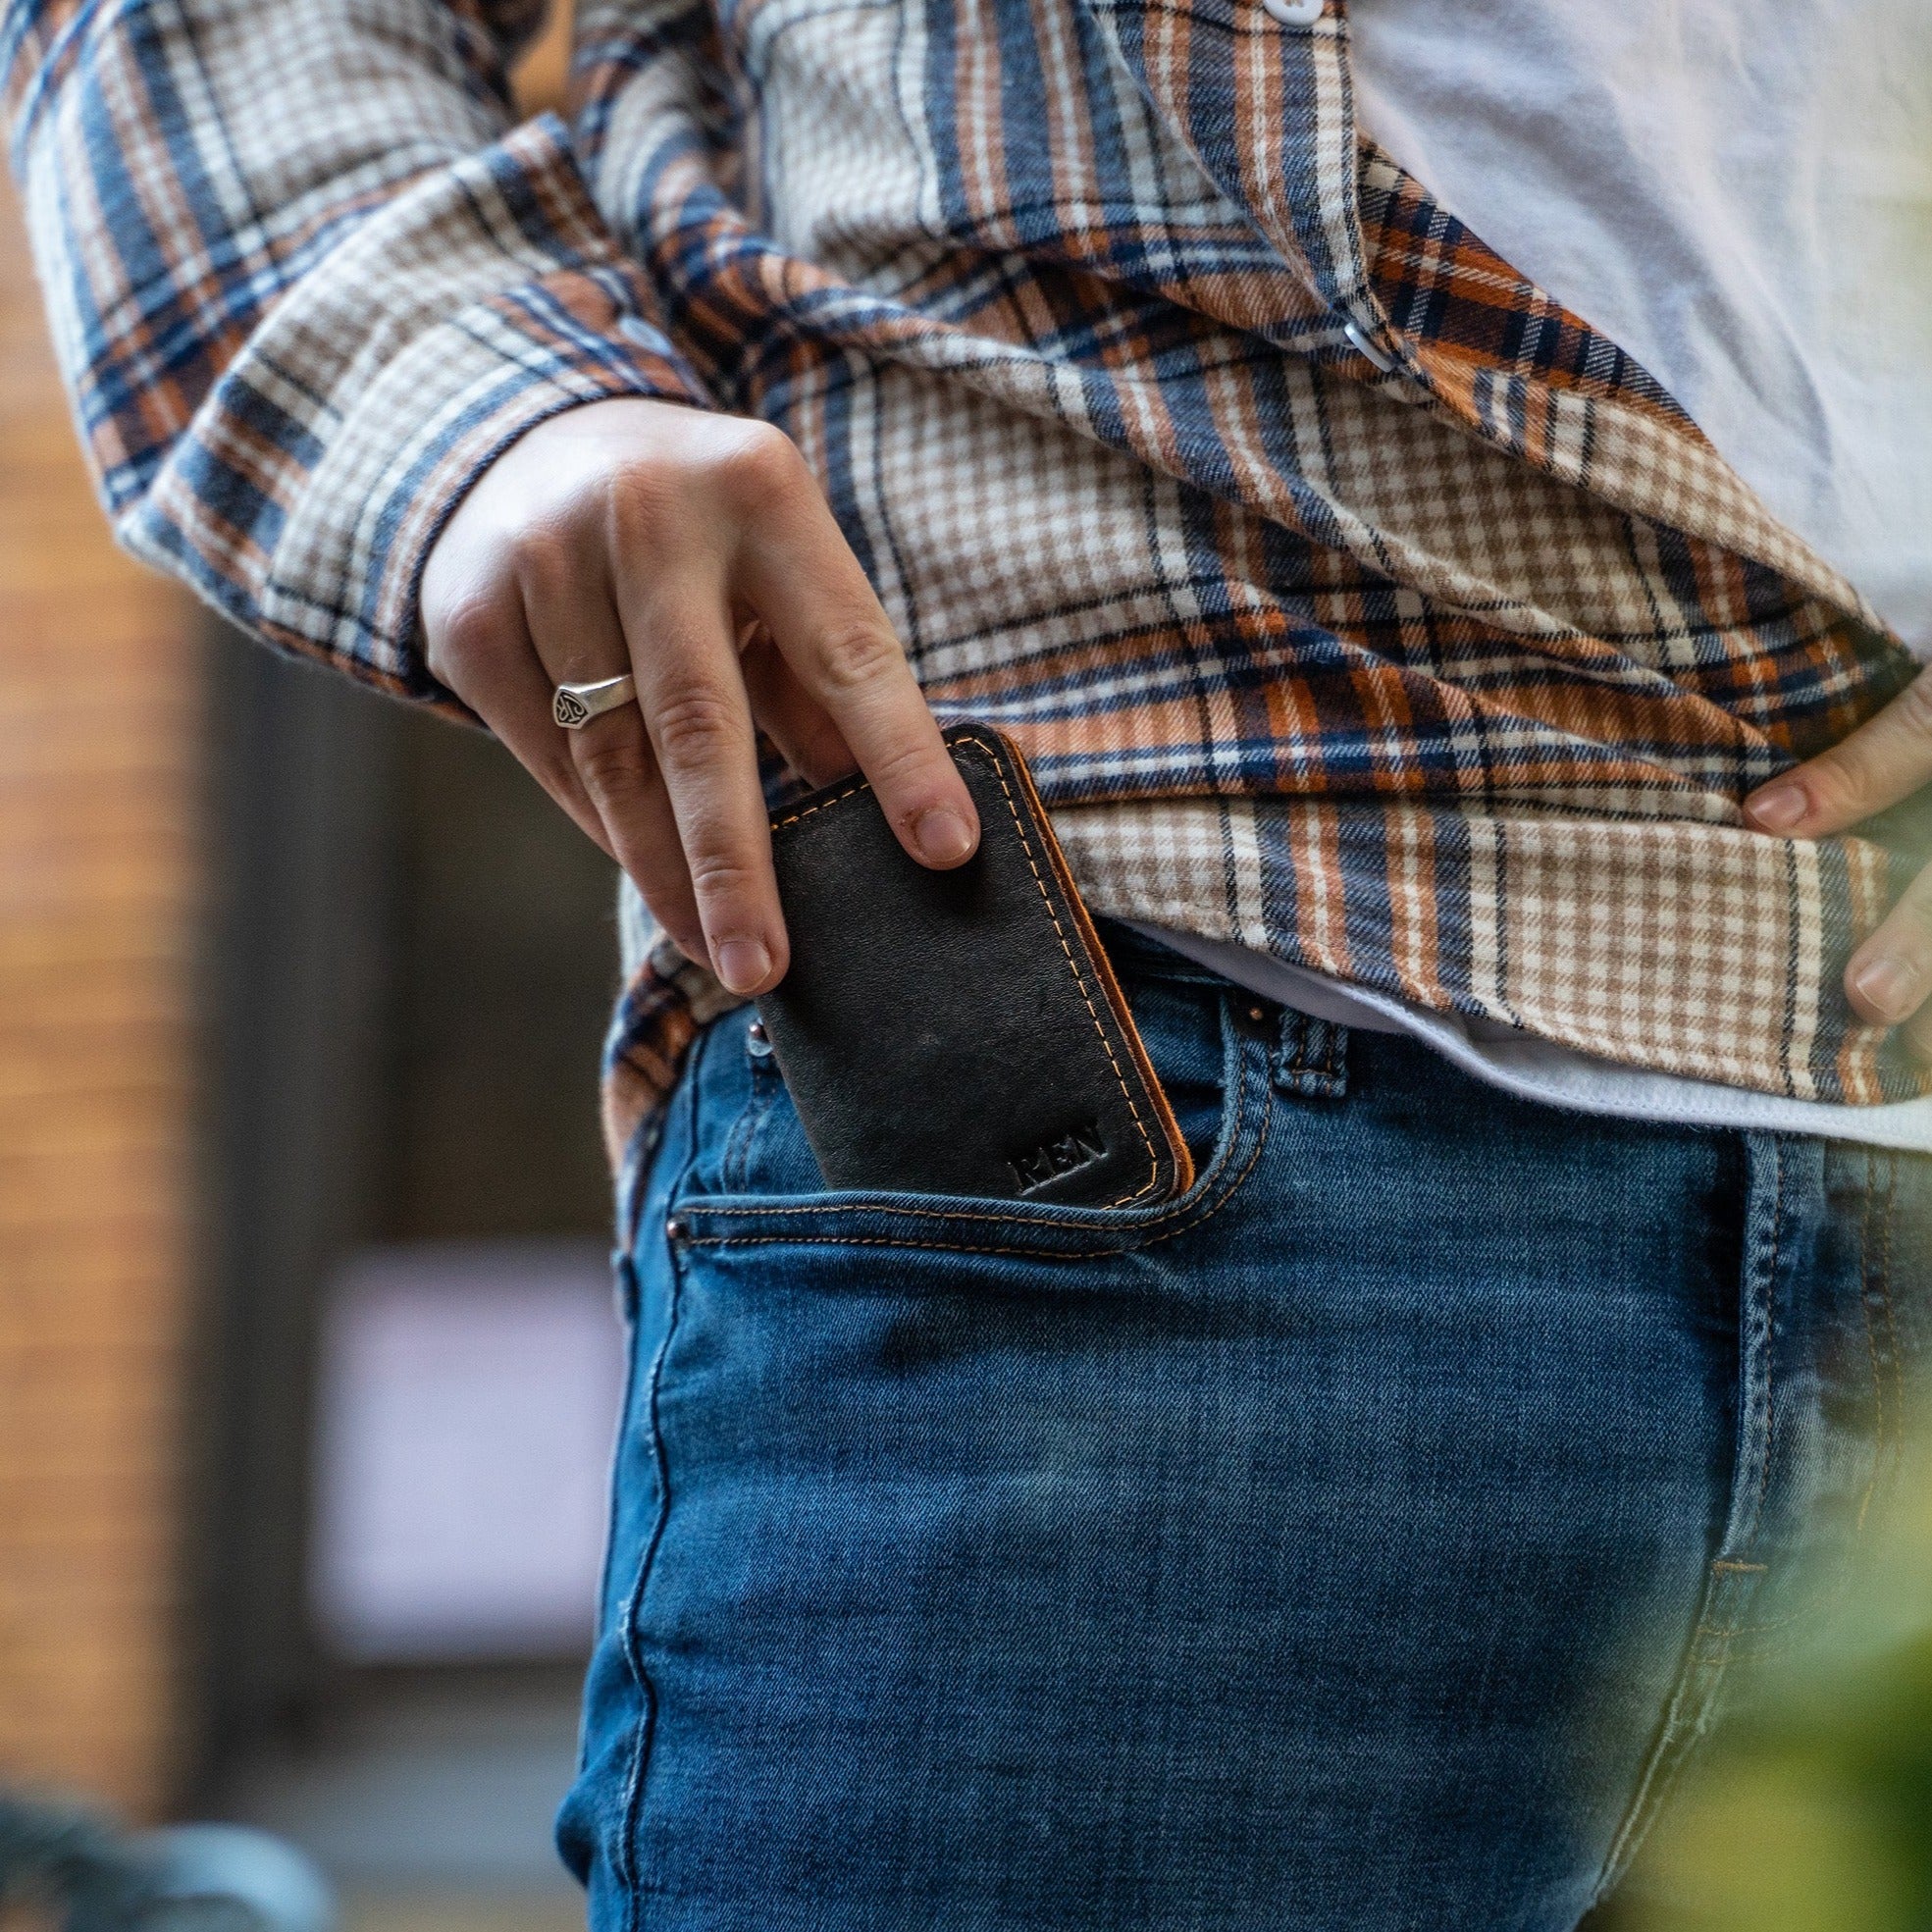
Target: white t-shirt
column 1738, row 192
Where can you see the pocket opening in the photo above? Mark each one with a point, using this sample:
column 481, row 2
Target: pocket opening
column 992, row 1226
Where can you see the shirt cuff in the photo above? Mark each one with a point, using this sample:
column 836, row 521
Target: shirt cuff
column 484, row 298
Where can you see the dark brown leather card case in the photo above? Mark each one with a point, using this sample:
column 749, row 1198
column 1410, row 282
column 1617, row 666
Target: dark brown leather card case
column 959, row 1032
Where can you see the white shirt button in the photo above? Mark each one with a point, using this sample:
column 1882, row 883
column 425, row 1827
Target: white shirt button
column 1294, row 13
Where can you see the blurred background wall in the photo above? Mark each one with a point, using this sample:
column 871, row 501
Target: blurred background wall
column 100, row 873
column 309, row 1365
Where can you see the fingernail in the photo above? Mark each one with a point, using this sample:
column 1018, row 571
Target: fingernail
column 941, row 835
column 1888, row 986
column 1778, row 808
column 743, row 963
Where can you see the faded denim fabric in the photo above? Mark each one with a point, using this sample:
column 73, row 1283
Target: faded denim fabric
column 1357, row 1542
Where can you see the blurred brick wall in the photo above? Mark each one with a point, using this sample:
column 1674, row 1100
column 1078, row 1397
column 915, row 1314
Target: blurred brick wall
column 99, row 771
column 97, row 752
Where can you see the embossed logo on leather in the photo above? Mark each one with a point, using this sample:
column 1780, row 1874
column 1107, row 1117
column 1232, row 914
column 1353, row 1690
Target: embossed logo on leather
column 1078, row 1147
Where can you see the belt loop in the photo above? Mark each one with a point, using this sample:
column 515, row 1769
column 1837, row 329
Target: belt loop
column 1311, row 1059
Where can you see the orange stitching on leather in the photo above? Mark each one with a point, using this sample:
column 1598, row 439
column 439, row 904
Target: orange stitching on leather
column 850, row 792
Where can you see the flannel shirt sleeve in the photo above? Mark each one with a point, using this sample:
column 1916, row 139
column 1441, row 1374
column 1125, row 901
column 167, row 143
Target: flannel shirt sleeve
column 307, row 281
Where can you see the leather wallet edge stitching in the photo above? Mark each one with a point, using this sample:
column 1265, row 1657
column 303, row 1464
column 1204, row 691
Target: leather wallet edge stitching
column 1109, row 985
column 1184, row 1165
column 992, row 754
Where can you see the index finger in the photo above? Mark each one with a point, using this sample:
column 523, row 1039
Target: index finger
column 799, row 575
column 1887, row 759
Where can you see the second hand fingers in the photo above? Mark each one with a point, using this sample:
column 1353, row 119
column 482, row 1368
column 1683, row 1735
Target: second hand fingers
column 1887, row 759
column 1918, row 1035
column 1889, row 976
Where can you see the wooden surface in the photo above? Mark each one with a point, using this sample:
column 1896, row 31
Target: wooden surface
column 97, row 752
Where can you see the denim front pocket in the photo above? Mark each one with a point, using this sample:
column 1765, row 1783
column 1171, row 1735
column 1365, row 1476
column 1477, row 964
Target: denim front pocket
column 753, row 1179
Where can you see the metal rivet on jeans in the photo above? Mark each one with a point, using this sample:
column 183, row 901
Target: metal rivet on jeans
column 675, row 1228
column 757, row 1042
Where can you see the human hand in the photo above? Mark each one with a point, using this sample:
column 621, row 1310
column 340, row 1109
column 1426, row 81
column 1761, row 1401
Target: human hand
column 697, row 552
column 1886, row 760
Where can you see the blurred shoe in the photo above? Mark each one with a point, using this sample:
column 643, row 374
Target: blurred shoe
column 205, row 1877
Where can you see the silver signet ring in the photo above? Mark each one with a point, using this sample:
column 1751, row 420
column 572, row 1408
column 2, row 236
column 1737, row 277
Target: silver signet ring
column 574, row 705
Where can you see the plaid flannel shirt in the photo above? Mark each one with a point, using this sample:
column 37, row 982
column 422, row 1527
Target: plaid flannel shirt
column 1350, row 598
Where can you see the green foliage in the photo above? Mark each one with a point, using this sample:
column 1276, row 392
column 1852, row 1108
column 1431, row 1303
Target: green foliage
column 1812, row 1811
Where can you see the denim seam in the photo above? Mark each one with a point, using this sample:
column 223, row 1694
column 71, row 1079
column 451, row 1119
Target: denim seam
column 1879, row 1414
column 1889, row 1220
column 1190, row 1217
column 1875, row 1283
column 1888, row 1388
column 646, row 1719
column 1706, row 1658
column 1770, row 1343
column 622, row 1268
column 640, row 1156
column 820, row 1208
column 1310, row 1062
column 645, row 1723
column 736, row 1158
column 959, row 1247
column 1733, row 1579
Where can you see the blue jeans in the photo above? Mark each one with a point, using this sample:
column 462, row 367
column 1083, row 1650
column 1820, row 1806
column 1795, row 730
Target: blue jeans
column 1357, row 1542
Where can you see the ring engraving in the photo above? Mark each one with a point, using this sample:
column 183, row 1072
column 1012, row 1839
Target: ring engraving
column 574, row 705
